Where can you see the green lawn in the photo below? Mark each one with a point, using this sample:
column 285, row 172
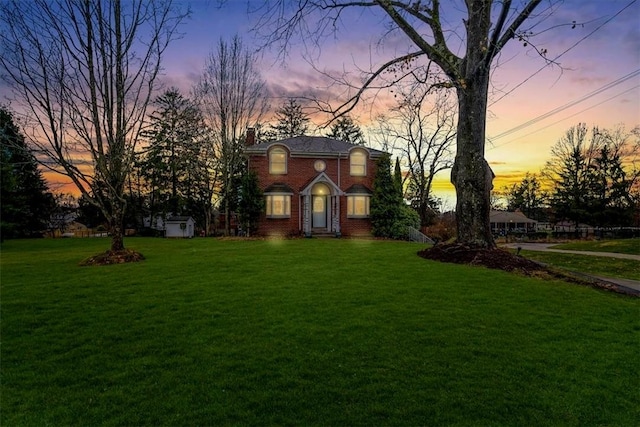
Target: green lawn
column 305, row 332
column 622, row 246
column 589, row 264
column 595, row 265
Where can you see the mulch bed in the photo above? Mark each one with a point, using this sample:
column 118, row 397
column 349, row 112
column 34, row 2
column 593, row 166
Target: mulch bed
column 501, row 259
column 491, row 258
column 113, row 257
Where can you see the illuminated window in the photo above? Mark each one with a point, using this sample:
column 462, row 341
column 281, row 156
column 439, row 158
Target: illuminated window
column 278, row 161
column 358, row 163
column 358, row 199
column 358, row 206
column 278, row 205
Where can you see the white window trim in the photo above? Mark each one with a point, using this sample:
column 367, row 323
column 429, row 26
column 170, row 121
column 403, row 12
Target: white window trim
column 268, row 207
column 363, row 165
column 351, row 206
column 286, row 160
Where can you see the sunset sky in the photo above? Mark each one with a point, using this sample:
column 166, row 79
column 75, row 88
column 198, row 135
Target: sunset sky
column 598, row 72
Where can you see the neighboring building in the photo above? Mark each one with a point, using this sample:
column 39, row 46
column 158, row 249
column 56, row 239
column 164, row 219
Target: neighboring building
column 511, row 222
column 314, row 185
column 179, row 226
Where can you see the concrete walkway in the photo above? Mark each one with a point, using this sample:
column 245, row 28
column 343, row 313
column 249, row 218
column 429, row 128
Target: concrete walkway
column 547, row 247
column 633, row 285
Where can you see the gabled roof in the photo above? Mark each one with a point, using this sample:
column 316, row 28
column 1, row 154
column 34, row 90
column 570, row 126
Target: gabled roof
column 278, row 187
column 500, row 217
column 321, row 178
column 358, row 189
column 319, row 146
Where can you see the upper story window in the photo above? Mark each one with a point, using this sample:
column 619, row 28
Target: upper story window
column 278, row 161
column 358, row 162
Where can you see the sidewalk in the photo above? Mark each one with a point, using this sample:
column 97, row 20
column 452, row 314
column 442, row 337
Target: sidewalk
column 632, row 285
column 546, row 247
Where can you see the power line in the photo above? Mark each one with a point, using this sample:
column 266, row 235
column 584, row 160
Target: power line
column 557, row 110
column 565, row 118
column 561, row 54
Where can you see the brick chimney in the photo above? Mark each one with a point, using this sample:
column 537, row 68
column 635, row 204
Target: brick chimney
column 250, row 139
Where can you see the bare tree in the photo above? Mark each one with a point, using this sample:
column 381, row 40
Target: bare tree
column 488, row 27
column 83, row 72
column 423, row 126
column 233, row 98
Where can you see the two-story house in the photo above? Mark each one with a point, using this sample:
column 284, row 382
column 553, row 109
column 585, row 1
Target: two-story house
column 313, row 185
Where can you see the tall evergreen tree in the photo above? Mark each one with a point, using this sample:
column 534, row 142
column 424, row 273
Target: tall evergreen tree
column 251, row 202
column 25, row 203
column 385, row 204
column 611, row 189
column 527, row 196
column 173, row 161
column 589, row 183
column 397, row 179
column 291, row 121
column 345, row 129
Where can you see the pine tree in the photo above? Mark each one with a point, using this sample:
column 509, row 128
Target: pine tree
column 345, row 129
column 26, row 203
column 612, row 205
column 291, row 122
column 172, row 163
column 251, row 202
column 385, row 203
column 526, row 196
column 397, row 180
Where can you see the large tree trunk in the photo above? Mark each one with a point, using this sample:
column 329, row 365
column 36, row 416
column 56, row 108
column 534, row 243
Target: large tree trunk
column 471, row 174
column 117, row 227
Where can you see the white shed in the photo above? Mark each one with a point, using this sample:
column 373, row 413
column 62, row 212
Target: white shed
column 179, row 226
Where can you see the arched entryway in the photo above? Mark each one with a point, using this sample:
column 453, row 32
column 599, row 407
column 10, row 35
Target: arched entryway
column 320, row 211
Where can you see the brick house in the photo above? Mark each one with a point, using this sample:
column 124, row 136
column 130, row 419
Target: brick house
column 313, row 185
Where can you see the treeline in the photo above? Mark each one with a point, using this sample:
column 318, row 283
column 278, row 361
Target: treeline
column 592, row 177
column 183, row 166
column 25, row 202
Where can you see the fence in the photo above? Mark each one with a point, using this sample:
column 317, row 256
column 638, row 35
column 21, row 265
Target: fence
column 417, row 236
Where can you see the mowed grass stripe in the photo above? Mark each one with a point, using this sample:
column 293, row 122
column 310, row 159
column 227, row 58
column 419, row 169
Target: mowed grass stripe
column 304, row 332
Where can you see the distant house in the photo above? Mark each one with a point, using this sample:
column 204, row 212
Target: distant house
column 314, row 185
column 179, row 226
column 511, row 222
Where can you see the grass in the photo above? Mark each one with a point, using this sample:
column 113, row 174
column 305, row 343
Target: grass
column 622, row 246
column 305, row 332
column 589, row 264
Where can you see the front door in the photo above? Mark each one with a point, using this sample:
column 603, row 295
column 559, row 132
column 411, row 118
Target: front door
column 319, row 207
